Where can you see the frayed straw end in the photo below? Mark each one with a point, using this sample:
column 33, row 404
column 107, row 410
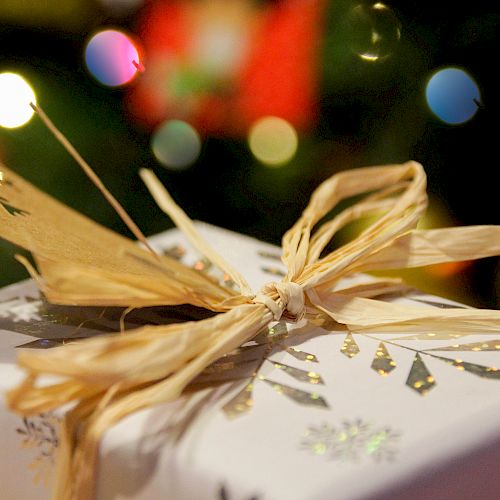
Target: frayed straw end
column 35, row 276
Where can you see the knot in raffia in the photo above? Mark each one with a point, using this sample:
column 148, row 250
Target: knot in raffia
column 285, row 300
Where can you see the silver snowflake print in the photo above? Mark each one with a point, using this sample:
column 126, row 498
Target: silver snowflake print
column 21, row 309
column 352, row 441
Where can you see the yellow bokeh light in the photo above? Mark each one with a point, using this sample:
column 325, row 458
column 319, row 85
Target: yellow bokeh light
column 16, row 95
column 273, row 141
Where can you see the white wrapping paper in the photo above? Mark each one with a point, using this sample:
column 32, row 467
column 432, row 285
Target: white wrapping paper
column 378, row 437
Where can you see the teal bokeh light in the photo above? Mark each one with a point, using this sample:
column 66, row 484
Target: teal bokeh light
column 176, row 144
column 453, row 95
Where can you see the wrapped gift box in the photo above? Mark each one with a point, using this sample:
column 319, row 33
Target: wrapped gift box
column 300, row 413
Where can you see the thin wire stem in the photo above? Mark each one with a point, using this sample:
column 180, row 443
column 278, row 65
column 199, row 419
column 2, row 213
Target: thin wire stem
column 418, row 351
column 94, row 178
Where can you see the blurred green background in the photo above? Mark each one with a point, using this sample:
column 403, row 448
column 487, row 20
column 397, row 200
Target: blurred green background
column 349, row 76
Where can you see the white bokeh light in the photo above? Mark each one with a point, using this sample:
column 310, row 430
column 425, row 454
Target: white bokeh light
column 16, row 95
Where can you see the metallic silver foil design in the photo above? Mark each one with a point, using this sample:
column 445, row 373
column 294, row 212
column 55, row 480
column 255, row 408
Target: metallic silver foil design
column 351, row 441
column 420, row 379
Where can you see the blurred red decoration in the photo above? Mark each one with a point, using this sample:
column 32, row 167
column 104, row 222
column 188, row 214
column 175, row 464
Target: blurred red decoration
column 222, row 64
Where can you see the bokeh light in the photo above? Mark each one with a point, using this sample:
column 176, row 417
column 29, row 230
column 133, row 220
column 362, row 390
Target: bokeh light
column 16, row 95
column 453, row 95
column 176, row 144
column 273, row 141
column 110, row 57
column 374, row 31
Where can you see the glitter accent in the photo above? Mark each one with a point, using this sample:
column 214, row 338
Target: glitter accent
column 279, row 331
column 382, row 363
column 203, row 265
column 274, row 271
column 240, row 404
column 302, row 355
column 489, row 345
column 433, row 336
column 243, row 354
column 269, row 339
column 219, row 367
column 482, row 371
column 239, row 364
column 229, row 282
column 272, row 334
column 269, row 255
column 48, row 343
column 351, row 442
column 419, row 379
column 175, row 252
column 349, row 348
column 298, row 374
column 297, row 395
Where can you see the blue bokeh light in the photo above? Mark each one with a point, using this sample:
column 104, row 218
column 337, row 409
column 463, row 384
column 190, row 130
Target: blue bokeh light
column 453, row 95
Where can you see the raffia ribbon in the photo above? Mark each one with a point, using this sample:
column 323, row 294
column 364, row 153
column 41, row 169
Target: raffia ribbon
column 110, row 377
column 290, row 304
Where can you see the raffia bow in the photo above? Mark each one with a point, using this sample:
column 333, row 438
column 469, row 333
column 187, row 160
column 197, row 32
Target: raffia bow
column 110, row 377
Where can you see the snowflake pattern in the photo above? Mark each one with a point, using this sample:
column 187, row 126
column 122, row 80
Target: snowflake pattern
column 352, row 441
column 21, row 309
column 40, row 433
